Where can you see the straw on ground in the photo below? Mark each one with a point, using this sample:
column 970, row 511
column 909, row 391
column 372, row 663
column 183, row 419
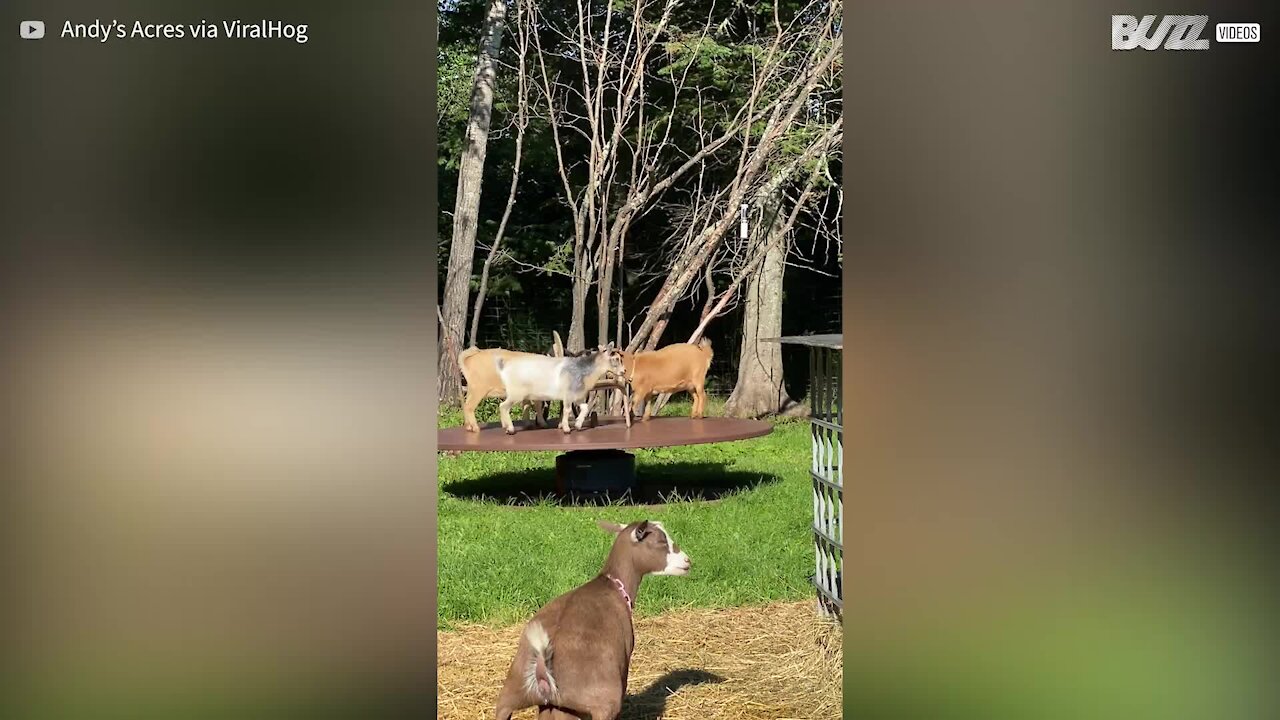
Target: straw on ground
column 749, row 663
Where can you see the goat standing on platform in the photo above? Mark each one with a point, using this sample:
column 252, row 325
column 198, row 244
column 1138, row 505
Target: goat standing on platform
column 481, row 377
column 526, row 376
column 674, row 368
column 613, row 382
column 574, row 656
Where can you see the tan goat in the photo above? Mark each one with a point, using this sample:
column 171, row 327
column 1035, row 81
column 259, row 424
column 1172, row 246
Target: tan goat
column 675, row 368
column 481, row 373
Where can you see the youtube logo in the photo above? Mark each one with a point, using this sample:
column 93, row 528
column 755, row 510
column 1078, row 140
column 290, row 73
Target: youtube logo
column 31, row 29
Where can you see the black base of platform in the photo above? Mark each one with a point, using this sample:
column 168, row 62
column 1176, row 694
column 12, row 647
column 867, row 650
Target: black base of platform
column 589, row 472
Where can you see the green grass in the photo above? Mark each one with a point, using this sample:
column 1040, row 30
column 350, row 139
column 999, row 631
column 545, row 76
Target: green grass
column 506, row 546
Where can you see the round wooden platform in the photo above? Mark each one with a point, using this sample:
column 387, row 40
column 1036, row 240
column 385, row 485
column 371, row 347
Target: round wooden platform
column 611, row 434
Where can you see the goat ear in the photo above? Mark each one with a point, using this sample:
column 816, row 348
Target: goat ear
column 609, row 527
column 641, row 531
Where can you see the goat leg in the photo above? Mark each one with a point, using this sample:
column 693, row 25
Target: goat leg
column 512, row 698
column 469, row 411
column 566, row 409
column 642, row 399
column 596, row 708
column 504, row 411
column 582, row 415
column 605, row 711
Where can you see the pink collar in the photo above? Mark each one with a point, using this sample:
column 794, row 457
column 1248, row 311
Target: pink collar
column 622, row 590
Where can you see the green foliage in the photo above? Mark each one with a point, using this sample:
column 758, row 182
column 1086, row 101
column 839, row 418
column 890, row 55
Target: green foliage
column 704, row 53
column 454, row 76
column 561, row 258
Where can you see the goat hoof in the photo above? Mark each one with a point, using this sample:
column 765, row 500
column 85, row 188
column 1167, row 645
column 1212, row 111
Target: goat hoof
column 512, row 431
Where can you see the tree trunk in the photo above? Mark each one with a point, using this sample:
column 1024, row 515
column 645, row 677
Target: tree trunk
column 603, row 288
column 760, row 390
column 578, row 312
column 470, row 176
column 506, row 214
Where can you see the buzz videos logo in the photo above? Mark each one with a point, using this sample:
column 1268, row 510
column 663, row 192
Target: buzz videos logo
column 1176, row 32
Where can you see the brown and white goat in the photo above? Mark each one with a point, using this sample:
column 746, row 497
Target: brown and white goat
column 674, row 368
column 573, row 657
column 526, row 376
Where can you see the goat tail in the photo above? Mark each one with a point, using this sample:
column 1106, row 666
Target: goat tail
column 462, row 360
column 705, row 344
column 538, row 679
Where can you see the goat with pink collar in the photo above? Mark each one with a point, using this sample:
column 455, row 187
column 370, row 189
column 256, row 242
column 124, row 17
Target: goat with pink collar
column 574, row 655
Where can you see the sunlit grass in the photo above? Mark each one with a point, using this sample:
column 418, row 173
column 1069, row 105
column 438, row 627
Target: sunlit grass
column 499, row 561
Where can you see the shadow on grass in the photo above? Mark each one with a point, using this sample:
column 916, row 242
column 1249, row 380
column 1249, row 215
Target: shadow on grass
column 651, row 704
column 656, row 484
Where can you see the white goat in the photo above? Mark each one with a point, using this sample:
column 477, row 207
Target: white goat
column 527, row 376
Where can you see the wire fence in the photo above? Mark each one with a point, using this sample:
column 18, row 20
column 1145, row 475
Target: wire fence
column 827, row 472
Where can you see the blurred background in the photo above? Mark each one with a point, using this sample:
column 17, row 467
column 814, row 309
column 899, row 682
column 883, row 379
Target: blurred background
column 1059, row 350
column 218, row 493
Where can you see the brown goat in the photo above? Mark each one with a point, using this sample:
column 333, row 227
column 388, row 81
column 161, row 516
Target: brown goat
column 573, row 657
column 675, row 368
